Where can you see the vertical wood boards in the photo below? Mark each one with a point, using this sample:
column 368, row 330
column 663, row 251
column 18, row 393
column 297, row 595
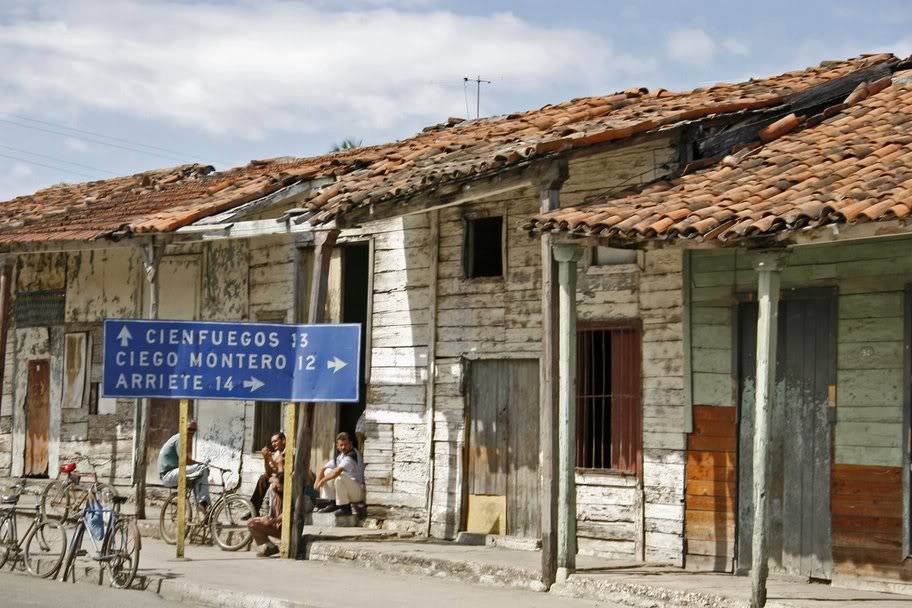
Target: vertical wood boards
column 75, row 369
column 37, row 418
column 503, row 439
column 801, row 438
column 710, row 496
column 163, row 422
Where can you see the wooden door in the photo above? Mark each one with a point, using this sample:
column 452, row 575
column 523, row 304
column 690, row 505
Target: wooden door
column 503, row 467
column 164, row 422
column 37, row 418
column 800, row 435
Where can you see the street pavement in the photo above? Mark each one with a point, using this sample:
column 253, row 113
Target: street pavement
column 21, row 591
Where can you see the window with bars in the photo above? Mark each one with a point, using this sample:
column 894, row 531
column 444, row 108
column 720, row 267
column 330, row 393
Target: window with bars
column 608, row 426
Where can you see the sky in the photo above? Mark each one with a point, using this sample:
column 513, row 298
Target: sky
column 93, row 89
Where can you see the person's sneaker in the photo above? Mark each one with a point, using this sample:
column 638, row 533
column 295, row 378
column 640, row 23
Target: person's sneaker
column 344, row 510
column 332, row 508
column 267, row 550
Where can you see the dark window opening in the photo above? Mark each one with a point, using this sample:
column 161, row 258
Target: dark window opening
column 608, row 434
column 267, row 420
column 483, row 251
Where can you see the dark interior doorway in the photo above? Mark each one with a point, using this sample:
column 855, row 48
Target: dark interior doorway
column 355, row 299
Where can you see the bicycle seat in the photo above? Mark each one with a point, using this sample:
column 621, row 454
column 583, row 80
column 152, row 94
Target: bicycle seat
column 68, row 467
column 9, row 499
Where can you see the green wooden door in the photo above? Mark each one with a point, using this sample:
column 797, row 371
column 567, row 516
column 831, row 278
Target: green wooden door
column 801, row 434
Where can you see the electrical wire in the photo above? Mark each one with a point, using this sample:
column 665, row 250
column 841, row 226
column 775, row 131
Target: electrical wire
column 57, row 160
column 34, row 162
column 94, row 141
column 104, row 136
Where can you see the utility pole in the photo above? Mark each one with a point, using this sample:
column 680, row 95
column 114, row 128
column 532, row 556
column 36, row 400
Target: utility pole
column 478, row 82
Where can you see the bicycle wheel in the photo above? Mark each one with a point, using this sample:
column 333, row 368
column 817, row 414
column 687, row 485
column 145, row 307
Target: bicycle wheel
column 55, row 501
column 229, row 522
column 120, row 553
column 45, row 547
column 7, row 538
column 167, row 519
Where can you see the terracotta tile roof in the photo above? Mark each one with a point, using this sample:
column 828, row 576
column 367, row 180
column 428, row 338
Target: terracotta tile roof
column 452, row 151
column 851, row 164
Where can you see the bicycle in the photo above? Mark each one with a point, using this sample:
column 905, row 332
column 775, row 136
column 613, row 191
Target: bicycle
column 226, row 519
column 115, row 540
column 41, row 549
column 61, row 498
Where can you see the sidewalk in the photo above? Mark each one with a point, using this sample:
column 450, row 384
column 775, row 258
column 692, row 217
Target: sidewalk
column 212, row 577
column 398, row 573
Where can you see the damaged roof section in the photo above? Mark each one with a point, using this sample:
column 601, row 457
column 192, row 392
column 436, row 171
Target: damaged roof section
column 850, row 164
column 165, row 200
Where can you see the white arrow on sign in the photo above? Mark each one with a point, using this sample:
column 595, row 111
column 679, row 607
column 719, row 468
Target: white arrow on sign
column 336, row 364
column 124, row 336
column 253, row 384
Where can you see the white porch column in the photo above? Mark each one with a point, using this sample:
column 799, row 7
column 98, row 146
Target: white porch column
column 769, row 267
column 566, row 256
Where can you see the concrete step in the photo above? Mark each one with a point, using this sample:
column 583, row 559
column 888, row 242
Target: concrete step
column 335, row 520
column 388, row 558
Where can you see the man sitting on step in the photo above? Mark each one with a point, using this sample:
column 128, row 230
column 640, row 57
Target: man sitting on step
column 341, row 480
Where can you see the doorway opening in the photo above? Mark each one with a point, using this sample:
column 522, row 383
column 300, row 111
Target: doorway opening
column 355, row 300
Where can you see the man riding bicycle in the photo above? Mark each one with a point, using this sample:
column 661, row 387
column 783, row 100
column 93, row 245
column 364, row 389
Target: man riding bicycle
column 197, row 472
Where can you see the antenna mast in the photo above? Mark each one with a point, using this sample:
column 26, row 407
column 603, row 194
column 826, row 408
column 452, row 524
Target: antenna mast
column 478, row 82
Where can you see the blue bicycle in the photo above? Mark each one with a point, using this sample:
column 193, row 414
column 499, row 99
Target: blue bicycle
column 115, row 541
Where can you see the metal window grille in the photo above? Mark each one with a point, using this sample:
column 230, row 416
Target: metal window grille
column 608, row 412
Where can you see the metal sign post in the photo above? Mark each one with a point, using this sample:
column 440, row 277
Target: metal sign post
column 182, row 477
column 232, row 361
column 290, row 410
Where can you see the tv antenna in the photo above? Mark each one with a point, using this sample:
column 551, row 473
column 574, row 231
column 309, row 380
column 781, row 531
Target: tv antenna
column 478, row 82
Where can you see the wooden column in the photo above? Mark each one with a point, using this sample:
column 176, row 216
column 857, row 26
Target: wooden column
column 181, row 531
column 287, row 477
column 152, row 254
column 769, row 267
column 567, row 256
column 324, row 241
column 6, row 277
column 549, row 191
column 430, row 409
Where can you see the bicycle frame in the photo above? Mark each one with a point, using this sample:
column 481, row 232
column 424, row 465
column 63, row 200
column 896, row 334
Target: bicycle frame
column 109, row 517
column 9, row 512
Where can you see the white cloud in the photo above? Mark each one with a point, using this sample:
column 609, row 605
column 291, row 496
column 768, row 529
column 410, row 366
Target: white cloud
column 692, row 46
column 250, row 68
column 735, row 46
column 76, row 145
column 20, row 170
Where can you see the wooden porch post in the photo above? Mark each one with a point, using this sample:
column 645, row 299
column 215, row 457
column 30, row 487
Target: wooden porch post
column 769, row 267
column 548, row 373
column 6, row 276
column 152, row 254
column 324, row 241
column 567, row 256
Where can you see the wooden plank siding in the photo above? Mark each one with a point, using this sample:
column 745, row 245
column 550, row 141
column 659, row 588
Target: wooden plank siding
column 870, row 278
column 867, row 521
column 711, row 488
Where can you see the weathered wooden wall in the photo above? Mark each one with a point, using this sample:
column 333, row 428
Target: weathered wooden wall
column 870, row 278
column 711, row 489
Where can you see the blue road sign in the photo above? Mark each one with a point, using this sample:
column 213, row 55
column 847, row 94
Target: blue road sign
column 243, row 361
